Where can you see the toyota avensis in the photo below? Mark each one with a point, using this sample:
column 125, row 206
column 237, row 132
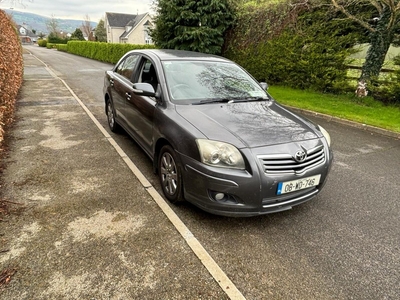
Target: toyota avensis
column 216, row 137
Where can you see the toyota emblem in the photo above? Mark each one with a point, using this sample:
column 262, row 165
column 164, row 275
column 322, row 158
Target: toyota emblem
column 300, row 156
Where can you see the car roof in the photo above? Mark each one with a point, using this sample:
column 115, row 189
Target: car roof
column 169, row 54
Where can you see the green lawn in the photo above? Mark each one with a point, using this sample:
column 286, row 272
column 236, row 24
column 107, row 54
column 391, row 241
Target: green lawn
column 363, row 110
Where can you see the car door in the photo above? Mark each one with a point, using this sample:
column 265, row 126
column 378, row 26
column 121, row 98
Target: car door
column 122, row 87
column 140, row 109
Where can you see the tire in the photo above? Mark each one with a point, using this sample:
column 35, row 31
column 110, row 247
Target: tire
column 114, row 127
column 170, row 175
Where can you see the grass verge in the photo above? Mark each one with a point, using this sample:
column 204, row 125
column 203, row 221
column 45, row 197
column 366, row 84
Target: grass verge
column 363, row 110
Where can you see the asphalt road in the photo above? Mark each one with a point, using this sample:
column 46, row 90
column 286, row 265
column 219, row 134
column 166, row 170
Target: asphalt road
column 344, row 244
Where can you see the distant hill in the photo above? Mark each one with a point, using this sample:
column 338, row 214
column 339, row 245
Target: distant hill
column 38, row 23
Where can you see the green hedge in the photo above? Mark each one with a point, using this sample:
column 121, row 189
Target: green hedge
column 51, row 45
column 297, row 48
column 42, row 43
column 387, row 90
column 62, row 47
column 106, row 52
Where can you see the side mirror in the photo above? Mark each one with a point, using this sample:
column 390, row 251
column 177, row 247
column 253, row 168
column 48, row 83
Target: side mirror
column 264, row 85
column 144, row 89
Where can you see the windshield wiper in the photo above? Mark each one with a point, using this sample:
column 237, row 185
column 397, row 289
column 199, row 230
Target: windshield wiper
column 230, row 100
column 215, row 100
column 252, row 99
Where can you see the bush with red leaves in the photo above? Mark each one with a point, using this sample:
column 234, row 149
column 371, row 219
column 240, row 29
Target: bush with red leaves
column 11, row 71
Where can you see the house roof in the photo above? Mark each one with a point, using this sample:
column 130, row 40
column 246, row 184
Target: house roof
column 148, row 23
column 28, row 32
column 122, row 20
column 125, row 34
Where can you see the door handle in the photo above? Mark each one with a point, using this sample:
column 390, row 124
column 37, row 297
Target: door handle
column 128, row 96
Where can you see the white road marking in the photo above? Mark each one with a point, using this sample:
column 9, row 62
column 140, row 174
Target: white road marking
column 213, row 268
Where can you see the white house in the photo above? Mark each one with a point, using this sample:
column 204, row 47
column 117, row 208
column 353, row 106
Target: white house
column 128, row 29
column 26, row 35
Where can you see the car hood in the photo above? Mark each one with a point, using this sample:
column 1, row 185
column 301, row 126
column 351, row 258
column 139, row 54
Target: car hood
column 248, row 124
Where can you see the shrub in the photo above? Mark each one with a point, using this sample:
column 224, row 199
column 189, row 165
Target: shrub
column 62, row 47
column 51, row 45
column 42, row 43
column 292, row 45
column 55, row 39
column 387, row 91
column 11, row 71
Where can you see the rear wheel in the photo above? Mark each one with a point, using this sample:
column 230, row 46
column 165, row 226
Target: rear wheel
column 170, row 175
column 114, row 127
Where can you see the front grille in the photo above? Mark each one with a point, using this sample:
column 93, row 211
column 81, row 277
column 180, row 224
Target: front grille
column 285, row 163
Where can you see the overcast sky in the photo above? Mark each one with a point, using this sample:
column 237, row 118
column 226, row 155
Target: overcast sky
column 78, row 9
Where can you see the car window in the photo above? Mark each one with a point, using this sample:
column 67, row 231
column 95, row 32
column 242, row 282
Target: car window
column 126, row 67
column 148, row 74
column 189, row 82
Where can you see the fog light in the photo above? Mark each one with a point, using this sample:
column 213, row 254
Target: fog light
column 219, row 196
column 222, row 197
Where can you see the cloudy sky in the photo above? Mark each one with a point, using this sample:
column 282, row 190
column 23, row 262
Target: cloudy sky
column 78, row 9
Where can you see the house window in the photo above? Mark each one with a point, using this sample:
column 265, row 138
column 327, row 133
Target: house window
column 147, row 38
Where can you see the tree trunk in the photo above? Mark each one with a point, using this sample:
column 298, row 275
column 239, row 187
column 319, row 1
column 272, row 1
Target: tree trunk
column 380, row 39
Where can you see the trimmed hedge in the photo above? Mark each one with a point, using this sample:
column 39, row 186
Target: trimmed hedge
column 62, row 47
column 106, row 52
column 51, row 45
column 42, row 43
column 11, row 71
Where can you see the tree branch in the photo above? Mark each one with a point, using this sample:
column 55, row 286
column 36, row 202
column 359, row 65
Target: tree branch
column 352, row 17
column 377, row 5
column 393, row 15
column 390, row 3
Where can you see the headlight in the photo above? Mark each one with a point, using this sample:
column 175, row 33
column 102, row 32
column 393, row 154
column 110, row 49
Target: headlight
column 326, row 135
column 219, row 154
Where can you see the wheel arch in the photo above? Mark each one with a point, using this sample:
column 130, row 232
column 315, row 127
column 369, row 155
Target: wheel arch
column 161, row 142
column 172, row 168
column 106, row 99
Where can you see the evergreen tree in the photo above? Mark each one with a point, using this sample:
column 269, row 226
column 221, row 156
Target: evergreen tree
column 77, row 35
column 100, row 32
column 195, row 25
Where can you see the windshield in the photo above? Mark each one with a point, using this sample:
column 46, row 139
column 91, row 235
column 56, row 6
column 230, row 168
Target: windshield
column 196, row 82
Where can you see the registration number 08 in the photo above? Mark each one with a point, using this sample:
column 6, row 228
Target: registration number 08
column 299, row 184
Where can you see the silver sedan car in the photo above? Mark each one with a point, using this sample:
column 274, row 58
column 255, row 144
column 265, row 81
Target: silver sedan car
column 216, row 137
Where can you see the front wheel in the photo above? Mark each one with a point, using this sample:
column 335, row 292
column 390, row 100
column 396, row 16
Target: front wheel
column 170, row 175
column 114, row 127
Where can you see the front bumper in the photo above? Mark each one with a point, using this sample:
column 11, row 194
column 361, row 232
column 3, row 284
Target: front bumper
column 246, row 192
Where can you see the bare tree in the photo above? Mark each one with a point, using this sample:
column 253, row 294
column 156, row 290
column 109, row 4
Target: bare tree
column 52, row 25
column 87, row 28
column 381, row 27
